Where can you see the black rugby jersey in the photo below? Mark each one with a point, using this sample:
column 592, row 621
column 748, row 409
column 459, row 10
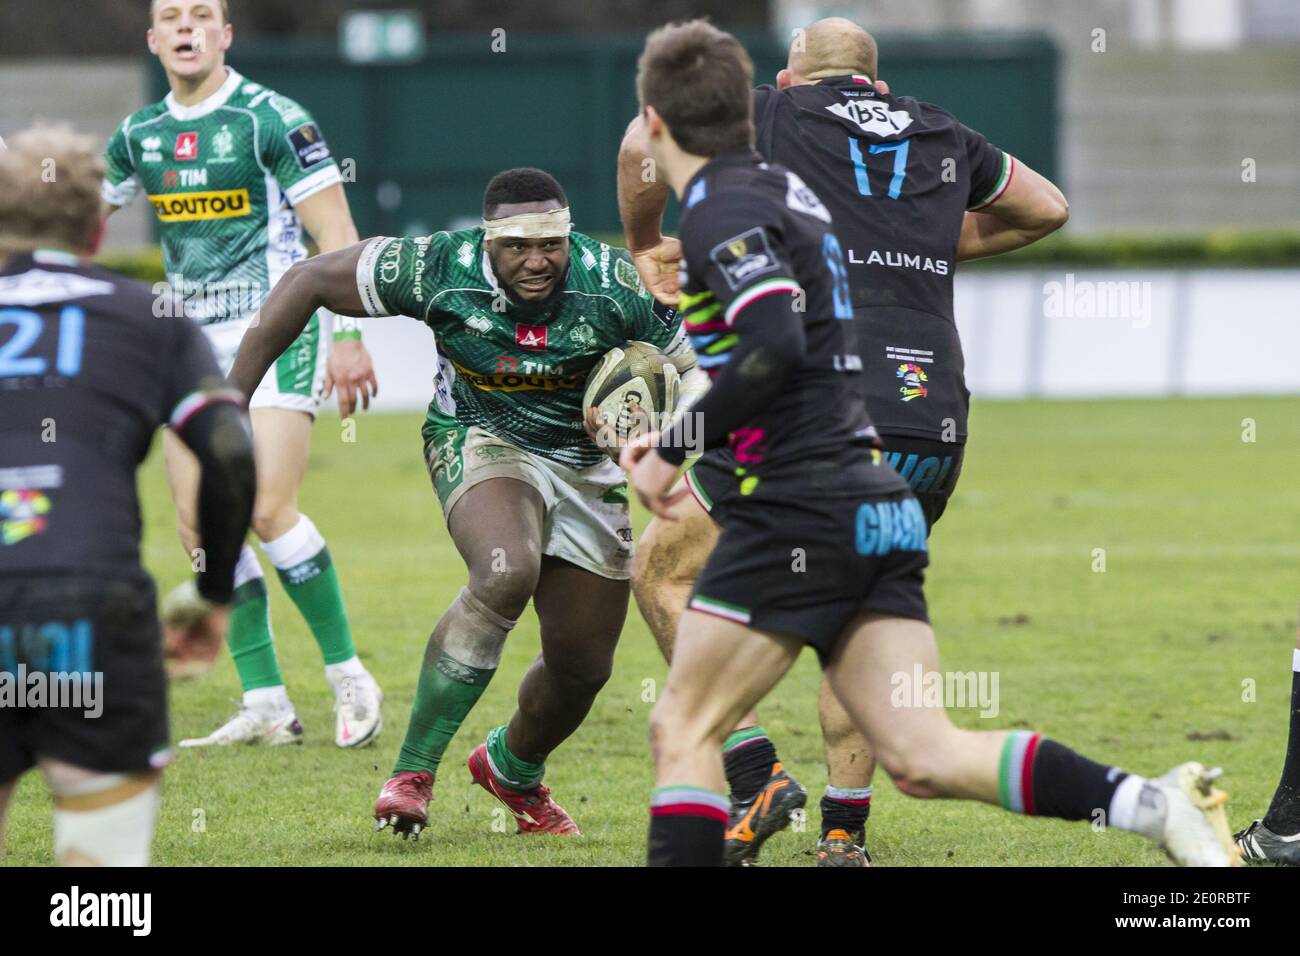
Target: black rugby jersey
column 897, row 175
column 88, row 372
column 765, row 301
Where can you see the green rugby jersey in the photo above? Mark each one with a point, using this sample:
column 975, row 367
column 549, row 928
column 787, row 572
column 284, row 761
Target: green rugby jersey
column 515, row 370
column 223, row 176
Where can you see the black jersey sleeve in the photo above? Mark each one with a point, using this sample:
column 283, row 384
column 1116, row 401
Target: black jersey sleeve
column 748, row 315
column 990, row 168
column 206, row 414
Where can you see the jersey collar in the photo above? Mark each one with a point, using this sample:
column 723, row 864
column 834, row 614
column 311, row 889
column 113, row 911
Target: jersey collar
column 855, row 79
column 204, row 107
column 695, row 187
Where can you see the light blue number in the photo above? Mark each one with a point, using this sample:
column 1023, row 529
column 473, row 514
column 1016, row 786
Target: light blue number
column 72, row 333
column 27, row 330
column 839, row 276
column 899, row 150
column 28, row 326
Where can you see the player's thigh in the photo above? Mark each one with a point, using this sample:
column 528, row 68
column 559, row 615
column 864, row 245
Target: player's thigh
column 281, row 444
column 721, row 669
column 873, row 670
column 496, row 525
column 674, row 550
column 581, row 615
column 183, row 476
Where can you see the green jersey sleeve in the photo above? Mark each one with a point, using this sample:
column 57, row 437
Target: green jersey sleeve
column 120, row 183
column 394, row 276
column 294, row 149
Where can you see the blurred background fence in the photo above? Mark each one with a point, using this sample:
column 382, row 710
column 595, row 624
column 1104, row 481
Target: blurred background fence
column 1172, row 125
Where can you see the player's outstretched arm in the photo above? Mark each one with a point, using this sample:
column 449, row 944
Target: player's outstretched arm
column 1030, row 208
column 328, row 281
column 642, row 198
column 328, row 220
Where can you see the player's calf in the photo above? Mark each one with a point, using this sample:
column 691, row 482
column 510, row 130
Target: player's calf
column 667, row 561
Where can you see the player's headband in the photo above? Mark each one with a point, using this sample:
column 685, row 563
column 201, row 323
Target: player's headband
column 529, row 225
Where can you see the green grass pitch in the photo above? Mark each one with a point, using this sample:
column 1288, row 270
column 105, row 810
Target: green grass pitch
column 1180, row 649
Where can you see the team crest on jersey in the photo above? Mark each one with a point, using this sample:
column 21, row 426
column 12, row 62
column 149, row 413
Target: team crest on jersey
column 582, row 335
column 914, row 379
column 873, row 116
column 744, row 256
column 223, row 144
column 308, row 145
column 531, row 337
column 152, row 146
column 187, row 147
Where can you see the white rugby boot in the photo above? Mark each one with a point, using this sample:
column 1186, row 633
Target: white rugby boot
column 250, row 726
column 358, row 710
column 1195, row 831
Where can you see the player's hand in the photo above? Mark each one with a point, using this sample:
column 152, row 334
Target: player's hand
column 650, row 476
column 658, row 265
column 190, row 647
column 601, row 432
column 351, row 370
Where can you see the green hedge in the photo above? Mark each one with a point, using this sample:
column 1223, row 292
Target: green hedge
column 1227, row 247
column 1224, row 247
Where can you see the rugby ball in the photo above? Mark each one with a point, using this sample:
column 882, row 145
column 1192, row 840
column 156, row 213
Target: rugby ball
column 634, row 387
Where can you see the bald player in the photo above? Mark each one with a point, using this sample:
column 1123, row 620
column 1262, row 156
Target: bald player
column 911, row 192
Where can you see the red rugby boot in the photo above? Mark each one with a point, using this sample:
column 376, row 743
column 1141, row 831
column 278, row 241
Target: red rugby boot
column 403, row 803
column 534, row 810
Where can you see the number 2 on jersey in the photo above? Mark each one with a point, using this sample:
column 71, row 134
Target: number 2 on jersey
column 899, row 150
column 28, row 327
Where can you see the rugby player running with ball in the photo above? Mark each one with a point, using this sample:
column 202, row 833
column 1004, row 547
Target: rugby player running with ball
column 522, row 309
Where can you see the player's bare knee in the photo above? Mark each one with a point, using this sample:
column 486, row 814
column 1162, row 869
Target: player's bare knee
column 273, row 519
column 913, row 773
column 505, row 583
column 583, row 676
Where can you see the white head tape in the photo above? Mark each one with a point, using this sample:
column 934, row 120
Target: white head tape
column 529, row 225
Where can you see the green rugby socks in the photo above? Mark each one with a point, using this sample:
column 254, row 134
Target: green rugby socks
column 249, row 637
column 511, row 772
column 307, row 572
column 461, row 657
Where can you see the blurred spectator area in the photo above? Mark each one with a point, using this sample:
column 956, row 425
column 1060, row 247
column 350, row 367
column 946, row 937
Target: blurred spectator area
column 1156, row 106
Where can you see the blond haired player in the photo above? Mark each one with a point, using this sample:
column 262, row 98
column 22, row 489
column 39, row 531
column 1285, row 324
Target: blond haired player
column 82, row 353
column 235, row 172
